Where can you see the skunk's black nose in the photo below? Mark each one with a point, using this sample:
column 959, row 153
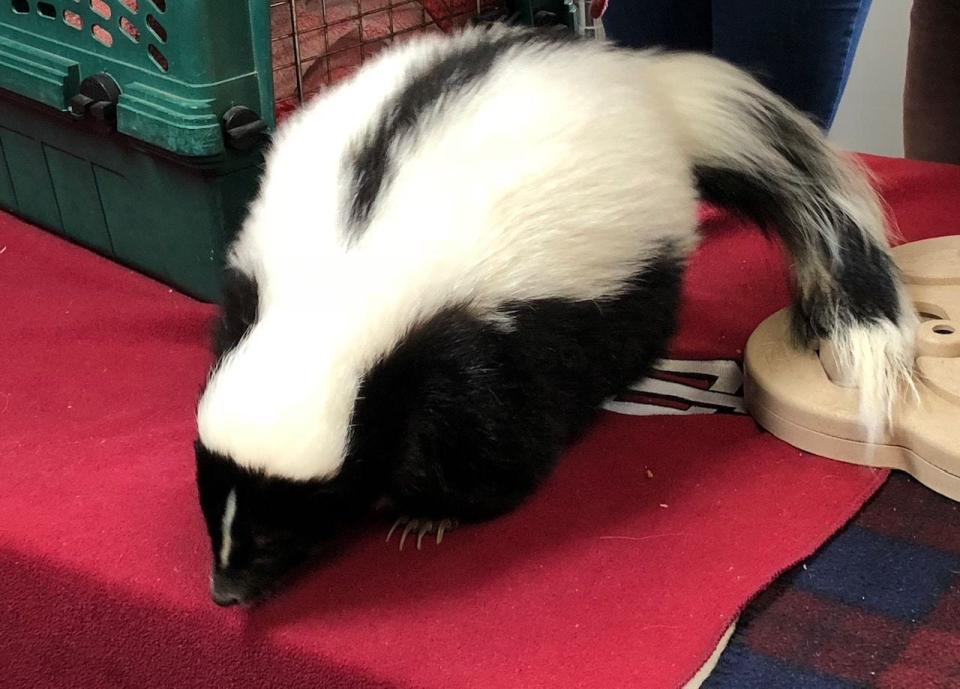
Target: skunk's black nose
column 225, row 598
column 226, row 592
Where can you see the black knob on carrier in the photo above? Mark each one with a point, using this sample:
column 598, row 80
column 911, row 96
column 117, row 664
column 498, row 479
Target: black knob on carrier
column 97, row 99
column 242, row 128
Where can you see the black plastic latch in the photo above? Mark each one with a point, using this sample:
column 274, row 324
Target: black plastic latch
column 242, row 128
column 97, row 99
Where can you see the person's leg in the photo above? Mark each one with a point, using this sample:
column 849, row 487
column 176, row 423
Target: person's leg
column 931, row 102
column 659, row 24
column 802, row 49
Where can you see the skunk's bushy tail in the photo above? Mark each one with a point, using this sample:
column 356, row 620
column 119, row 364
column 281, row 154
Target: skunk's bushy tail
column 754, row 153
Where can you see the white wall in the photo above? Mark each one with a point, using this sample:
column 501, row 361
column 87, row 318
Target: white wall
column 870, row 118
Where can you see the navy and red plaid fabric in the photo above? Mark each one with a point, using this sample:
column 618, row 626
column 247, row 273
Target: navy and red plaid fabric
column 878, row 607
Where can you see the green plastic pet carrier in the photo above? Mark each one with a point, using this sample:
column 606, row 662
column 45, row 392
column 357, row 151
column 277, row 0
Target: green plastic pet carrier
column 131, row 126
column 136, row 127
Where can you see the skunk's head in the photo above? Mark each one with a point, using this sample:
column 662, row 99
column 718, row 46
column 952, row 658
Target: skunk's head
column 261, row 528
column 282, row 465
column 275, row 484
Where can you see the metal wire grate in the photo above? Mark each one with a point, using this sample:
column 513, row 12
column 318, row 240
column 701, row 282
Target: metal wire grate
column 318, row 42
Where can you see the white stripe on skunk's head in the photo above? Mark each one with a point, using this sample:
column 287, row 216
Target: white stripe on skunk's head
column 262, row 528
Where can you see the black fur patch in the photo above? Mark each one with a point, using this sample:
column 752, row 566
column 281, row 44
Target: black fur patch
column 760, row 201
column 239, row 307
column 444, row 79
column 448, row 78
column 864, row 292
column 759, row 198
column 865, row 288
column 468, row 417
column 789, row 139
column 744, row 194
column 868, row 278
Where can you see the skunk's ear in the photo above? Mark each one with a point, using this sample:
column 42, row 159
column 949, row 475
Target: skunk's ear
column 203, row 455
column 200, row 453
column 206, row 457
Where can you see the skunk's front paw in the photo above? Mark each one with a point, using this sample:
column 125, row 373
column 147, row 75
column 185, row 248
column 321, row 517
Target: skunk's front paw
column 422, row 527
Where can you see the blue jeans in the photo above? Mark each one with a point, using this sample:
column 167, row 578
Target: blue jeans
column 801, row 49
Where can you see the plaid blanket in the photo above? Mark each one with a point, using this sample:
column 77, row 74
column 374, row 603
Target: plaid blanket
column 877, row 607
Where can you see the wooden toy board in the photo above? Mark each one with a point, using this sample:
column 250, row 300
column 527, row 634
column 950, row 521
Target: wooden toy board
column 790, row 393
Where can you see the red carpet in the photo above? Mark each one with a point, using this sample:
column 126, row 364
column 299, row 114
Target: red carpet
column 608, row 578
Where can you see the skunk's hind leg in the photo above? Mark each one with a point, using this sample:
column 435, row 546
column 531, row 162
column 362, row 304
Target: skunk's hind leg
column 478, row 411
column 454, row 422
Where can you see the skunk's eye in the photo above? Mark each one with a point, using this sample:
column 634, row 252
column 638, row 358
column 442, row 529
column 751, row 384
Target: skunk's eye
column 263, row 558
column 269, row 540
column 265, row 542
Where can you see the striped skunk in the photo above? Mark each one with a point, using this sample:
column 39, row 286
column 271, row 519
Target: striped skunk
column 499, row 227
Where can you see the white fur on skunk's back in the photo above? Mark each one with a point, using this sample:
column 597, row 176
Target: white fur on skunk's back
column 558, row 173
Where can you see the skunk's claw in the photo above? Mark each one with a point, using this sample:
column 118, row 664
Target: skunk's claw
column 445, row 525
column 426, row 528
column 422, row 527
column 400, row 522
column 411, row 525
